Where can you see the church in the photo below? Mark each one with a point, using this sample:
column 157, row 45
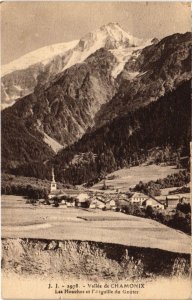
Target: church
column 53, row 188
column 53, row 182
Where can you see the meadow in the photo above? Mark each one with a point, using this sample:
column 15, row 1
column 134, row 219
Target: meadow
column 21, row 220
column 128, row 177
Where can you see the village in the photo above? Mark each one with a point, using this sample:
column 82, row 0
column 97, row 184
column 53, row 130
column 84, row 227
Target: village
column 109, row 199
column 77, row 229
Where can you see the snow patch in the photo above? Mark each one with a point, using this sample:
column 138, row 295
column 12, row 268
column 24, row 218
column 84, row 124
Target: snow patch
column 124, row 54
column 132, row 75
column 18, row 87
column 55, row 146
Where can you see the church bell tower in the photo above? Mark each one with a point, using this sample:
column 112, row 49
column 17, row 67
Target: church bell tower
column 53, row 182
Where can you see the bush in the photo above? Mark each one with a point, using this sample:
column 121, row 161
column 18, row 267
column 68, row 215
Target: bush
column 133, row 209
column 184, row 207
column 181, row 222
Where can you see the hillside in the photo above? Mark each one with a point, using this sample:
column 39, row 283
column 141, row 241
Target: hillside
column 127, row 141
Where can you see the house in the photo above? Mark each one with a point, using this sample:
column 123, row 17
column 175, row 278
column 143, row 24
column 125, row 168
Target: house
column 70, row 204
column 63, row 204
column 41, row 201
column 110, row 204
column 82, row 200
column 54, row 194
column 172, row 200
column 97, row 203
column 153, row 203
column 122, row 203
column 92, row 205
column 185, row 199
column 138, row 198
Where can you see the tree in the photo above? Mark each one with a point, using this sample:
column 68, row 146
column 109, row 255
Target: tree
column 104, row 187
column 149, row 212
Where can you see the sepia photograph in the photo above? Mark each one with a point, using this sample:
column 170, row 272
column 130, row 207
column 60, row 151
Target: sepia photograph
column 96, row 150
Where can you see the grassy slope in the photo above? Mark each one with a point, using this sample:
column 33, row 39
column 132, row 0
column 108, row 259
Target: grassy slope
column 128, row 177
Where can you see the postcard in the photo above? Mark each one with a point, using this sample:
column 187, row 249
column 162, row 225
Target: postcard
column 95, row 168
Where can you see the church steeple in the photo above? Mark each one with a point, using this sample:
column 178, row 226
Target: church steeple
column 53, row 182
column 53, row 175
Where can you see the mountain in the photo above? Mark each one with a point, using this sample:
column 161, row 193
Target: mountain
column 62, row 111
column 106, row 76
column 162, row 128
column 20, row 77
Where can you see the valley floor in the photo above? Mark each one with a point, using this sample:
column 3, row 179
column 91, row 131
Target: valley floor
column 75, row 247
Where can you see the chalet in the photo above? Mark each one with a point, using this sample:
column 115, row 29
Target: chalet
column 110, row 204
column 145, row 200
column 63, row 204
column 41, row 201
column 97, row 203
column 70, row 203
column 138, row 198
column 172, row 200
column 153, row 203
column 123, row 203
column 82, row 200
column 185, row 199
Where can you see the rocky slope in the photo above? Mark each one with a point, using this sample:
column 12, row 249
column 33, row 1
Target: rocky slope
column 89, row 260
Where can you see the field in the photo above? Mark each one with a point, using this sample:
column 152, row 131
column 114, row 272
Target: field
column 21, row 220
column 44, row 245
column 129, row 177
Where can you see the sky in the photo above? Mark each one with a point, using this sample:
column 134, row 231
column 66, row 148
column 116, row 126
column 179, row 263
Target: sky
column 26, row 26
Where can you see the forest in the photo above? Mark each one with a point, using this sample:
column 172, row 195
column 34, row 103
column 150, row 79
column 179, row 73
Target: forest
column 153, row 188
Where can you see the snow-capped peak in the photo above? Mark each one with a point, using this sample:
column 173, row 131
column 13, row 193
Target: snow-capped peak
column 51, row 60
column 110, row 36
